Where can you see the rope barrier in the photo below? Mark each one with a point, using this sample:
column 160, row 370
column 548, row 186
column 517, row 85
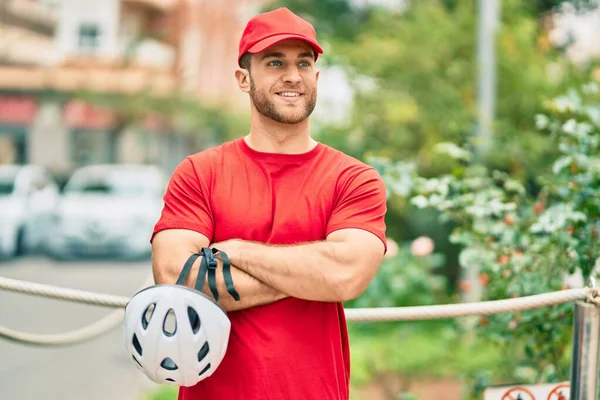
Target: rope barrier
column 81, row 335
column 54, row 292
column 98, row 328
column 443, row 311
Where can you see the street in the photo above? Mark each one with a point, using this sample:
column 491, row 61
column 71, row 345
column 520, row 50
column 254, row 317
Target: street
column 99, row 369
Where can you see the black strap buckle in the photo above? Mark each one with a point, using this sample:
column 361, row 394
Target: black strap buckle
column 209, row 259
column 209, row 254
column 208, row 266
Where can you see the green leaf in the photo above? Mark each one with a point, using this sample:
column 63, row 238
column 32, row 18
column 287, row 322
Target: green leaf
column 454, row 151
column 557, row 218
column 561, row 164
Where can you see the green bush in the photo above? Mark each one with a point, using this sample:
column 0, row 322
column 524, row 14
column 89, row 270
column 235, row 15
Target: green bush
column 526, row 242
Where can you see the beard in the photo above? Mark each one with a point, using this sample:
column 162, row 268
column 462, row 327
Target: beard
column 268, row 108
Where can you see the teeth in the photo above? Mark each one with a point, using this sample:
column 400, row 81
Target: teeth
column 289, row 94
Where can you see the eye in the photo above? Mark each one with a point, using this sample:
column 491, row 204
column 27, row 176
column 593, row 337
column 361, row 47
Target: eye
column 304, row 64
column 275, row 63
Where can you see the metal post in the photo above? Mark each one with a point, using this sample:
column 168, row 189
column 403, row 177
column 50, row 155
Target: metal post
column 586, row 352
column 488, row 18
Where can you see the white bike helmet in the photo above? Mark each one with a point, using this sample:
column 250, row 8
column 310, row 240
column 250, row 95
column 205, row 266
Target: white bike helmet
column 177, row 335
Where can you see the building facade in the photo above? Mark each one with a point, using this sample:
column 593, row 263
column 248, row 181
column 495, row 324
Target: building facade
column 52, row 50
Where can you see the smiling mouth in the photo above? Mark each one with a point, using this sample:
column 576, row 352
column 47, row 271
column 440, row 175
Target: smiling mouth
column 290, row 95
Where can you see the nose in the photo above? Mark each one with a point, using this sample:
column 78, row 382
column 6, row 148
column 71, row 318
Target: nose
column 292, row 75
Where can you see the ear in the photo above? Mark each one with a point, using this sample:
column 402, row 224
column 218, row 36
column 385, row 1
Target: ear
column 243, row 79
column 317, row 75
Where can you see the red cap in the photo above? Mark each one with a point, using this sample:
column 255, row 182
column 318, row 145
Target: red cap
column 265, row 30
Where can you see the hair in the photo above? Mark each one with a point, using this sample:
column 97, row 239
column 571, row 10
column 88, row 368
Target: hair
column 245, row 61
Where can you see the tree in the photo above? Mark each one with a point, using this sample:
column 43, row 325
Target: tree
column 420, row 67
column 414, row 75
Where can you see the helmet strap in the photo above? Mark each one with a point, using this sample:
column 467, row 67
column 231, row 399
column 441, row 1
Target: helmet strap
column 187, row 268
column 208, row 266
column 227, row 276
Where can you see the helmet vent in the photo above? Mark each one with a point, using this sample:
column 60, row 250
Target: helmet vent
column 168, row 364
column 136, row 344
column 203, row 352
column 194, row 319
column 204, row 370
column 148, row 315
column 170, row 323
column 170, row 380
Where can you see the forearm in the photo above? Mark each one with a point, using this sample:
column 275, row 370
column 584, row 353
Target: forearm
column 252, row 292
column 313, row 271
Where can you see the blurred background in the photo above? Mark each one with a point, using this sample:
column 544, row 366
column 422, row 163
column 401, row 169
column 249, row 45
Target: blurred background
column 482, row 116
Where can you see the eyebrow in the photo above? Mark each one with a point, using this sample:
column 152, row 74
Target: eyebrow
column 281, row 55
column 269, row 55
column 310, row 55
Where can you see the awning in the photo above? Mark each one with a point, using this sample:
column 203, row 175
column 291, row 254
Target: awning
column 18, row 110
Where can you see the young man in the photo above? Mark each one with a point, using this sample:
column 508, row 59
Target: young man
column 302, row 224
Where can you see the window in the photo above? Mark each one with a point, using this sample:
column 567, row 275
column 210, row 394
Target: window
column 89, row 35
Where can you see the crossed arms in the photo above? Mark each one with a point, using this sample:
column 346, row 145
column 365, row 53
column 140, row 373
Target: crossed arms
column 334, row 270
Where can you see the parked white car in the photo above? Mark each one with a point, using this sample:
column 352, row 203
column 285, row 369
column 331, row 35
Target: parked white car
column 28, row 196
column 108, row 211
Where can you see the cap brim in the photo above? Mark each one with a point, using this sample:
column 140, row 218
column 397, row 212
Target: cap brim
column 272, row 40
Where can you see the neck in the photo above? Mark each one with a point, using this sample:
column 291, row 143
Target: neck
column 269, row 136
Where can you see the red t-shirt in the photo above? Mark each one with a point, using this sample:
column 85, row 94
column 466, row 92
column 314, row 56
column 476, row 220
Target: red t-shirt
column 293, row 349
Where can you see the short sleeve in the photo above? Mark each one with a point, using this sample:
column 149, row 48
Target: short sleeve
column 361, row 204
column 186, row 204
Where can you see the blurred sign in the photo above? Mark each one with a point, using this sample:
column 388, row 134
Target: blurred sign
column 17, row 110
column 81, row 115
column 552, row 391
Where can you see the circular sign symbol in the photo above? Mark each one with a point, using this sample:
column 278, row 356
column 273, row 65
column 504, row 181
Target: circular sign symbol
column 561, row 392
column 518, row 393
